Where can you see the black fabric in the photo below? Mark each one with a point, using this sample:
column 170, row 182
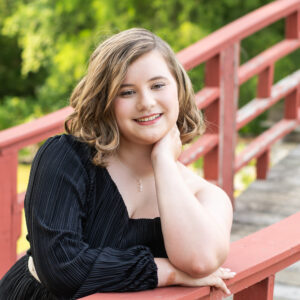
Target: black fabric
column 81, row 238
column 18, row 284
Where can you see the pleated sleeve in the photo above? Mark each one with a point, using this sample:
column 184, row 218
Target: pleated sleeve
column 56, row 210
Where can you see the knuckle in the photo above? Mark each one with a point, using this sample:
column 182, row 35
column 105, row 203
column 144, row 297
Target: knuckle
column 220, row 281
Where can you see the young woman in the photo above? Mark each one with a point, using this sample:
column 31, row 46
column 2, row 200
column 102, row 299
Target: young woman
column 109, row 207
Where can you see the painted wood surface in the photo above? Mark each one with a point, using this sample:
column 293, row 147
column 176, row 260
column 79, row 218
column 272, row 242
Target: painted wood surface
column 220, row 51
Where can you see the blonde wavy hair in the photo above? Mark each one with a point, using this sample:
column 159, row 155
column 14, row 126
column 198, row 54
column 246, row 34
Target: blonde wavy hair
column 93, row 120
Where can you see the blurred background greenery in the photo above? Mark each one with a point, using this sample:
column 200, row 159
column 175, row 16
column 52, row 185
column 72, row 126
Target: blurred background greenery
column 45, row 46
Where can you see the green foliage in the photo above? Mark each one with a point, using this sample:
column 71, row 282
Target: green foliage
column 12, row 82
column 46, row 44
column 16, row 110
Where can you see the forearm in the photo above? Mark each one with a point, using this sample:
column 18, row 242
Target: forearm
column 170, row 275
column 187, row 226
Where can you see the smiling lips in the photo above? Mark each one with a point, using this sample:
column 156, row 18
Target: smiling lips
column 149, row 119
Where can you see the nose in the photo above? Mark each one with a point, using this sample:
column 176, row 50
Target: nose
column 145, row 101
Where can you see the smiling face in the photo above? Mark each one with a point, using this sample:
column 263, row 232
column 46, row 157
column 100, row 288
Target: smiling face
column 146, row 107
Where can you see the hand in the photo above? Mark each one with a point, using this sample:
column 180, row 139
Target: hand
column 168, row 146
column 215, row 279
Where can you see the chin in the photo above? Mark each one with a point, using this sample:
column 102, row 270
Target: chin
column 149, row 140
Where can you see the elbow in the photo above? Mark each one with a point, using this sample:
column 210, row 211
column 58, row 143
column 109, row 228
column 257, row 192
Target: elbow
column 55, row 279
column 203, row 268
column 57, row 287
column 207, row 264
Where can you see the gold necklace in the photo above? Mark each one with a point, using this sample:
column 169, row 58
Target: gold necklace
column 138, row 180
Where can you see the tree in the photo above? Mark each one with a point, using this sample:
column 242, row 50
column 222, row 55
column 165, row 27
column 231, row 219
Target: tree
column 54, row 39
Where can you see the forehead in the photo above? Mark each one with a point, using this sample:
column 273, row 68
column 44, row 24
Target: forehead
column 149, row 65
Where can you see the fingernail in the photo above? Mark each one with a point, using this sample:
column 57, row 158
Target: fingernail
column 228, row 292
column 233, row 273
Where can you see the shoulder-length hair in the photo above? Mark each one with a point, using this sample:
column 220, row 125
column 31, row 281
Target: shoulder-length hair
column 93, row 120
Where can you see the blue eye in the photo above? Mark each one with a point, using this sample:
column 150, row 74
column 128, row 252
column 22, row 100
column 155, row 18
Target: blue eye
column 158, row 86
column 127, row 93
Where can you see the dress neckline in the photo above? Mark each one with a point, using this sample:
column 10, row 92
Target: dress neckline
column 123, row 203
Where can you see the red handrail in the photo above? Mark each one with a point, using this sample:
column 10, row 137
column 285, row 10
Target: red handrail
column 254, row 258
column 223, row 76
column 18, row 137
column 234, row 32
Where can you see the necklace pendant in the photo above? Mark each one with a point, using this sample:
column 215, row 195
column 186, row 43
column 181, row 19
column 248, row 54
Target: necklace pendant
column 140, row 185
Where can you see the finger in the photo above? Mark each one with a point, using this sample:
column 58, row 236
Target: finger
column 224, row 269
column 222, row 286
column 219, row 272
column 225, row 273
column 228, row 275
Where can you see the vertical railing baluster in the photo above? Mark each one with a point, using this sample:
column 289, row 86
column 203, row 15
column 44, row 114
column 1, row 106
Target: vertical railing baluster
column 264, row 89
column 262, row 290
column 8, row 197
column 263, row 164
column 292, row 26
column 265, row 82
column 292, row 102
column 229, row 88
column 211, row 112
column 221, row 71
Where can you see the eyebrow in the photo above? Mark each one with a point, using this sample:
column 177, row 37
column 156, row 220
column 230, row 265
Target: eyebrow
column 151, row 79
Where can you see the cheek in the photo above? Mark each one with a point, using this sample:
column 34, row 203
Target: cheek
column 121, row 109
column 174, row 103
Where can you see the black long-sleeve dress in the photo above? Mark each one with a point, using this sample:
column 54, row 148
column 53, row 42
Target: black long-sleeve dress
column 81, row 237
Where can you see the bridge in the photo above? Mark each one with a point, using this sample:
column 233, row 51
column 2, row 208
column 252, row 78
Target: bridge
column 258, row 256
column 267, row 202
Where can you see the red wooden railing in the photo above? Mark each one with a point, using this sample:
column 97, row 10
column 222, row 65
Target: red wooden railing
column 255, row 258
column 223, row 76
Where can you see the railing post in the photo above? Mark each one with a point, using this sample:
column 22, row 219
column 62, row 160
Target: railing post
column 229, row 87
column 222, row 71
column 8, row 194
column 262, row 290
column 292, row 104
column 212, row 79
column 265, row 81
column 292, row 26
column 264, row 88
column 262, row 164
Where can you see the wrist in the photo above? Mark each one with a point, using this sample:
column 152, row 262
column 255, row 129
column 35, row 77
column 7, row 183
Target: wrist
column 167, row 274
column 162, row 158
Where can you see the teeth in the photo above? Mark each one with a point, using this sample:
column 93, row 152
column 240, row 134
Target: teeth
column 148, row 119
